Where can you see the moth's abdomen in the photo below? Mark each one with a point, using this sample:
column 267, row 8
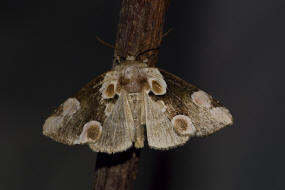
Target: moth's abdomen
column 138, row 113
column 136, row 105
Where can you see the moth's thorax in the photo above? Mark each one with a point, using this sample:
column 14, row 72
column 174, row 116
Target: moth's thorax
column 132, row 79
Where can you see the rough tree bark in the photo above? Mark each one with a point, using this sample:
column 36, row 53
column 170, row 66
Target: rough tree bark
column 139, row 34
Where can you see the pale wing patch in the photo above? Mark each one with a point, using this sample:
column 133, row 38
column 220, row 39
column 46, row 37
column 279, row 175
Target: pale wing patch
column 109, row 85
column 91, row 132
column 108, row 89
column 160, row 131
column 67, row 121
column 157, row 86
column 54, row 123
column 118, row 128
column 183, row 125
column 201, row 99
column 222, row 115
column 70, row 106
column 155, row 80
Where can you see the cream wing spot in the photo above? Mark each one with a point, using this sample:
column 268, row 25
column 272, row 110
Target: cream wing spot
column 183, row 125
column 91, row 132
column 70, row 106
column 155, row 80
column 157, row 86
column 201, row 99
column 109, row 86
column 109, row 90
column 52, row 124
column 222, row 114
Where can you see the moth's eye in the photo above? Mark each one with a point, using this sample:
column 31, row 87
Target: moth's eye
column 109, row 90
column 158, row 87
column 183, row 125
column 91, row 132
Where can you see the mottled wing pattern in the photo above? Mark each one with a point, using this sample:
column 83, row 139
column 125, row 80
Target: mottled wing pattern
column 118, row 129
column 160, row 131
column 178, row 100
column 66, row 123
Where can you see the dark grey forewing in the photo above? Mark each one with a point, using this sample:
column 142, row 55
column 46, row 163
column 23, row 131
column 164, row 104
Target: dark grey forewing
column 178, row 101
column 66, row 127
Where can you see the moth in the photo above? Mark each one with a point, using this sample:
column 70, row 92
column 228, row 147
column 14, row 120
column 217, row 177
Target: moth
column 134, row 103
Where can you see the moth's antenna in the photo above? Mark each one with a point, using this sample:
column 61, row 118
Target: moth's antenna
column 145, row 51
column 105, row 43
column 154, row 49
column 167, row 32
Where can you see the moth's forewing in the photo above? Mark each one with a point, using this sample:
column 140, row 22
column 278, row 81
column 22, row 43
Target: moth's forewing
column 160, row 131
column 66, row 127
column 208, row 117
column 118, row 129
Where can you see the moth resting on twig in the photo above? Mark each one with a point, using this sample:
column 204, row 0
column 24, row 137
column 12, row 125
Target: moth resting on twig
column 112, row 111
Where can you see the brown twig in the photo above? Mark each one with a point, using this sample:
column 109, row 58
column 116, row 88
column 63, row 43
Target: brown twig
column 140, row 32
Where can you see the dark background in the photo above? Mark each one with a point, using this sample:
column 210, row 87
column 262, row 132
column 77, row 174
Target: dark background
column 232, row 49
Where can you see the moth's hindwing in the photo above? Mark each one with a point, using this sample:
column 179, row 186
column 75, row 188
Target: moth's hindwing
column 66, row 124
column 182, row 98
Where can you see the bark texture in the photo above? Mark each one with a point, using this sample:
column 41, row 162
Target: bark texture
column 140, row 29
column 139, row 34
